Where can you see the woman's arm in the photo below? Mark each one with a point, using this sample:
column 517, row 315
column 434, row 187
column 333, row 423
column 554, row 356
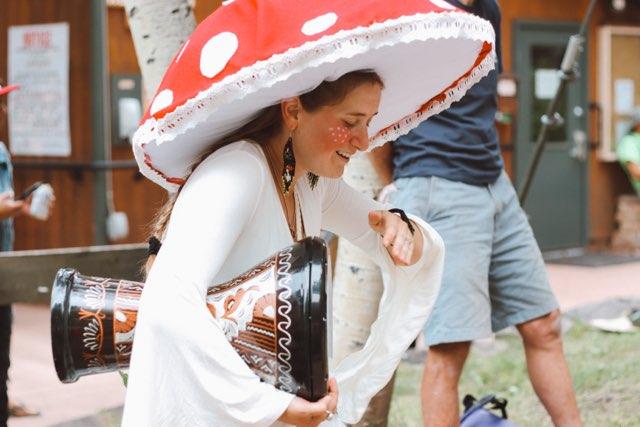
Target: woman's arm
column 628, row 152
column 634, row 169
column 183, row 370
column 407, row 300
column 366, row 223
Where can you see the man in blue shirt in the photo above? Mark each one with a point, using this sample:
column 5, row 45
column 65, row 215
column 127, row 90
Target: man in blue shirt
column 449, row 171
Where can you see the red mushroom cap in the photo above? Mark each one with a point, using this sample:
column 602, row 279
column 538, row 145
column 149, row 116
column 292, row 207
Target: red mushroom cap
column 250, row 54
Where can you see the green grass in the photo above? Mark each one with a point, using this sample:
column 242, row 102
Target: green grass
column 605, row 370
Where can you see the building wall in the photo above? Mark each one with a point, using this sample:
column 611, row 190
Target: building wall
column 606, row 180
column 133, row 193
column 71, row 222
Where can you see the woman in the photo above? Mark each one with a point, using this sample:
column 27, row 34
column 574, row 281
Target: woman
column 271, row 175
column 235, row 210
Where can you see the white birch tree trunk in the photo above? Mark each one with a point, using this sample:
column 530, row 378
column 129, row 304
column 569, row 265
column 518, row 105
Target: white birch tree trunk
column 357, row 289
column 159, row 28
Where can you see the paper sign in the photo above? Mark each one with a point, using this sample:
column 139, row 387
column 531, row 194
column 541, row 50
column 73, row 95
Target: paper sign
column 547, row 82
column 623, row 90
column 39, row 112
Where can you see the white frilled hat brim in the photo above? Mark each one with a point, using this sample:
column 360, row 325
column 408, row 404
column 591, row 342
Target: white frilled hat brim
column 427, row 61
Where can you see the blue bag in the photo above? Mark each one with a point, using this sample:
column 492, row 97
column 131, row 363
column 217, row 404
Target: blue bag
column 477, row 413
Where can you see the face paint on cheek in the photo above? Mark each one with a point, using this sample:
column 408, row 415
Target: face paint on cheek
column 339, row 135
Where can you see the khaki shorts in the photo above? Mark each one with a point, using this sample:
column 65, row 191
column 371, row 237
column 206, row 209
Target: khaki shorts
column 494, row 275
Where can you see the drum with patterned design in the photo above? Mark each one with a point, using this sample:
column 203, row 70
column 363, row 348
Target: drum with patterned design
column 274, row 316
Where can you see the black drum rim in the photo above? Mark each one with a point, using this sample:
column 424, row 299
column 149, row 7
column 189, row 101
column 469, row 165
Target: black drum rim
column 297, row 268
column 318, row 318
column 60, row 295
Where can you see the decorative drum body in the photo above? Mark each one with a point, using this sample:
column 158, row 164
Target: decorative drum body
column 274, row 316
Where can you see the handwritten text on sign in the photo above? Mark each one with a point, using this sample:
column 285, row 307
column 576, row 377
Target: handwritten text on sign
column 39, row 111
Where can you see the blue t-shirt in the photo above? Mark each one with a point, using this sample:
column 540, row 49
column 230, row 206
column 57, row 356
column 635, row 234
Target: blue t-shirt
column 6, row 184
column 460, row 143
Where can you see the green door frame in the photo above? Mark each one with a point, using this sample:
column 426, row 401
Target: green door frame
column 520, row 28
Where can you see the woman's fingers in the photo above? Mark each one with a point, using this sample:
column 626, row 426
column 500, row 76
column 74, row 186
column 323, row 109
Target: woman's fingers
column 408, row 251
column 401, row 258
column 310, row 414
column 402, row 247
column 332, row 386
column 376, row 221
column 396, row 236
column 325, row 407
column 318, row 411
column 390, row 236
column 400, row 241
column 333, row 394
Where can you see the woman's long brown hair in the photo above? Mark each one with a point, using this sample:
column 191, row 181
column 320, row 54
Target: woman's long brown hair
column 266, row 125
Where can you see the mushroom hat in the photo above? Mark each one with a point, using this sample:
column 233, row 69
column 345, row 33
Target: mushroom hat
column 8, row 88
column 250, row 54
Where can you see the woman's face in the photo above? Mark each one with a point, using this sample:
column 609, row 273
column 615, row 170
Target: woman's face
column 325, row 139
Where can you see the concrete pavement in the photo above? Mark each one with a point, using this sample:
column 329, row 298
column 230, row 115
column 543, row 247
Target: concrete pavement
column 577, row 286
column 34, row 380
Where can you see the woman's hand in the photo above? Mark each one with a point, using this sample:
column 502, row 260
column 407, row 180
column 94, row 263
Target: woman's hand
column 301, row 412
column 404, row 248
column 9, row 207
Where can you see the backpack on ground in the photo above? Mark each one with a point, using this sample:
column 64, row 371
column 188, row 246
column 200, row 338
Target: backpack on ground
column 482, row 413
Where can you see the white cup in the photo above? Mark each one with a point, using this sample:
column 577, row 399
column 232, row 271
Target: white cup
column 40, row 202
column 117, row 226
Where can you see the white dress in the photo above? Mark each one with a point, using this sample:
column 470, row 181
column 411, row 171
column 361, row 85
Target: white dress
column 227, row 218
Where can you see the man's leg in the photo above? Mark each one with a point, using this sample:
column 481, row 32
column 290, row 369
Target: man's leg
column 5, row 340
column 548, row 370
column 440, row 403
column 463, row 216
column 521, row 296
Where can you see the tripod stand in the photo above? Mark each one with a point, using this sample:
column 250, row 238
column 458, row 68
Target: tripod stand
column 568, row 73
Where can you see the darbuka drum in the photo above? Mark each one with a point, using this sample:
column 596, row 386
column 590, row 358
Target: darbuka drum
column 274, row 316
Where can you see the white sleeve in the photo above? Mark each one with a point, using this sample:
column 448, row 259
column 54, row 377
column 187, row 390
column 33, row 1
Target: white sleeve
column 407, row 300
column 183, row 371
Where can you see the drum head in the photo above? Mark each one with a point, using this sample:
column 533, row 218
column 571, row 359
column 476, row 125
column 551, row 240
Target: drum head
column 302, row 319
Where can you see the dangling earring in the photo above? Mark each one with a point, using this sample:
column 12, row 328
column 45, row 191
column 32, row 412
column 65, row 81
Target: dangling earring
column 313, row 179
column 289, row 167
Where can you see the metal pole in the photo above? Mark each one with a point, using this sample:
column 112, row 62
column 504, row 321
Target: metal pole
column 100, row 114
column 552, row 118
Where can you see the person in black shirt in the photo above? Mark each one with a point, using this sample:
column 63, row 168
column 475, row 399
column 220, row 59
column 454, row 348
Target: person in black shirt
column 449, row 171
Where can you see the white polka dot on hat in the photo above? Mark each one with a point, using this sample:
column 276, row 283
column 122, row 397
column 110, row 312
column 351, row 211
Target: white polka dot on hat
column 217, row 52
column 319, row 24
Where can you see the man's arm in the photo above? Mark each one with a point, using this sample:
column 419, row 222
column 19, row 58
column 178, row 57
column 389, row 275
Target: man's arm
column 633, row 168
column 9, row 207
column 382, row 161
